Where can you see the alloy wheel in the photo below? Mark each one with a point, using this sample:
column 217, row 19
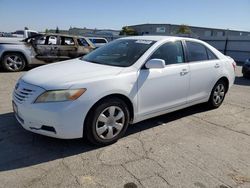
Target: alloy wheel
column 219, row 94
column 14, row 62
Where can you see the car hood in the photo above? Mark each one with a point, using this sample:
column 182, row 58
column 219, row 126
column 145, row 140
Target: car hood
column 65, row 74
column 11, row 40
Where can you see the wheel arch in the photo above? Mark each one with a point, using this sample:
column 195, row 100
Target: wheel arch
column 116, row 95
column 226, row 80
column 16, row 52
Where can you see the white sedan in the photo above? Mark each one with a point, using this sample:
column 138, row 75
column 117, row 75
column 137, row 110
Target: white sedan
column 126, row 81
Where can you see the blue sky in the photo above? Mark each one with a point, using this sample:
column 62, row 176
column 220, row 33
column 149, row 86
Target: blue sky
column 113, row 14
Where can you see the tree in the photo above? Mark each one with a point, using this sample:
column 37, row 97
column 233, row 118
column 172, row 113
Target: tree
column 128, row 31
column 57, row 30
column 184, row 29
column 26, row 28
column 46, row 30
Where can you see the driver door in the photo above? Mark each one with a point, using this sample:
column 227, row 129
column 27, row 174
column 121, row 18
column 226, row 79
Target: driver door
column 165, row 88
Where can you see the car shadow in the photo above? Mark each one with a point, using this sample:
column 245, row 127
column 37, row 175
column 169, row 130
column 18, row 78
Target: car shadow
column 242, row 81
column 20, row 148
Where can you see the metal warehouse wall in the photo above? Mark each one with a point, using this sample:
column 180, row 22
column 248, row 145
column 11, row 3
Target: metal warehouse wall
column 236, row 47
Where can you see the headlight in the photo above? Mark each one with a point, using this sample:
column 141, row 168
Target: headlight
column 60, row 95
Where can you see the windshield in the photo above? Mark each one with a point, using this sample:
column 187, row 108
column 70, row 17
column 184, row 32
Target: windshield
column 122, row 53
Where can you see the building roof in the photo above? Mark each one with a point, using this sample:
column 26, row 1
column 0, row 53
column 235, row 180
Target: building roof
column 188, row 26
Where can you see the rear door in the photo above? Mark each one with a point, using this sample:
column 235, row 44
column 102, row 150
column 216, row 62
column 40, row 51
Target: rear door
column 205, row 69
column 67, row 48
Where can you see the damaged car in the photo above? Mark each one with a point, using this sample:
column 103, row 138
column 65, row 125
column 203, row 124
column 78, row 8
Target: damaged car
column 16, row 54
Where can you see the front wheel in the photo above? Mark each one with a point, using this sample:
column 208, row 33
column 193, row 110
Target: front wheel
column 107, row 122
column 218, row 94
column 13, row 62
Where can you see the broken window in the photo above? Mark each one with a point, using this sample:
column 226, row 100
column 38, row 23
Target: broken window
column 67, row 41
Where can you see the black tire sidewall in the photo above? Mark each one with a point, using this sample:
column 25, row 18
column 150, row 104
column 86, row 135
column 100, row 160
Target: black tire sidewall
column 211, row 101
column 89, row 127
column 11, row 54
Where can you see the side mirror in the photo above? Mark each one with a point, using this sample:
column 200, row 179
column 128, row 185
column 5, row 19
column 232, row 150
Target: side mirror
column 155, row 64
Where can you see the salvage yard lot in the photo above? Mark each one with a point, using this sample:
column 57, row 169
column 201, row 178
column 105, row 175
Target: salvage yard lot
column 194, row 147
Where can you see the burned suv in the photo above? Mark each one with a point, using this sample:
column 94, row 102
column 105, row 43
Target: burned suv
column 16, row 54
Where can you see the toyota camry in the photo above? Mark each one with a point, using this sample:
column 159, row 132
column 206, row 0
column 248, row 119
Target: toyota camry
column 124, row 82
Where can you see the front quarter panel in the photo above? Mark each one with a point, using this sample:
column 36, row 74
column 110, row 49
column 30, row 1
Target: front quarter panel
column 124, row 83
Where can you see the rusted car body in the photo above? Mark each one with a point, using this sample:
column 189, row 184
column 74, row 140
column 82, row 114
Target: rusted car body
column 42, row 49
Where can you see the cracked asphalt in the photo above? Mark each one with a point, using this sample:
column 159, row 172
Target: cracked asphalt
column 193, row 147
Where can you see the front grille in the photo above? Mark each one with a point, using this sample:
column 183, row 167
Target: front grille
column 22, row 93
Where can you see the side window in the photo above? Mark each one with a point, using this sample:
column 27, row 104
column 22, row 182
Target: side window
column 67, row 41
column 31, row 34
column 211, row 55
column 82, row 42
column 19, row 32
column 40, row 40
column 196, row 51
column 52, row 40
column 171, row 52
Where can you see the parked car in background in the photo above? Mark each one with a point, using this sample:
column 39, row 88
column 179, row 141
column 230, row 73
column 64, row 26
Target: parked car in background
column 246, row 69
column 126, row 81
column 98, row 41
column 16, row 54
column 24, row 33
column 5, row 34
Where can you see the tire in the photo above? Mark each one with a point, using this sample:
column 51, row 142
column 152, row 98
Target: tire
column 101, row 127
column 217, row 95
column 13, row 62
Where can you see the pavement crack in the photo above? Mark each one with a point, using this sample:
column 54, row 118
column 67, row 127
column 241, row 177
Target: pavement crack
column 137, row 179
column 222, row 126
column 69, row 170
column 164, row 179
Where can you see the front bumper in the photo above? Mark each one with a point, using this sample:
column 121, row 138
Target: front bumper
column 63, row 118
column 56, row 119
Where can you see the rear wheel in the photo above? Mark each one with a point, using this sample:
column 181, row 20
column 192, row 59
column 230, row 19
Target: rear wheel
column 107, row 122
column 218, row 94
column 13, row 62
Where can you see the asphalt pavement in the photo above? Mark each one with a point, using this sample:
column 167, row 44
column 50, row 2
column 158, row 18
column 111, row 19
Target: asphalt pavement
column 193, row 147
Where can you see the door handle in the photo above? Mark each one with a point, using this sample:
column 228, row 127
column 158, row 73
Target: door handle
column 216, row 65
column 183, row 72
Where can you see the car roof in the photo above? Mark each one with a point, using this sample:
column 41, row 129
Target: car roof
column 97, row 38
column 63, row 35
column 159, row 38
